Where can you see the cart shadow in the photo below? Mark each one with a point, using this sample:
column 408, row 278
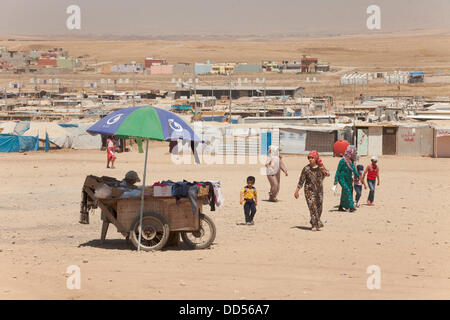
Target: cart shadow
column 180, row 247
column 122, row 244
column 112, row 244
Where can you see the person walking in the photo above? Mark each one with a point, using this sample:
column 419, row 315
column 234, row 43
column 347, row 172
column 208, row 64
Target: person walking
column 110, row 152
column 373, row 175
column 312, row 177
column 274, row 166
column 249, row 198
column 345, row 169
column 358, row 185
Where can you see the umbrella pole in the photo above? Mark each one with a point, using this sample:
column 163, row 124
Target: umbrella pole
column 142, row 196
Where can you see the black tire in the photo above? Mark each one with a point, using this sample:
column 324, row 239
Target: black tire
column 155, row 232
column 203, row 238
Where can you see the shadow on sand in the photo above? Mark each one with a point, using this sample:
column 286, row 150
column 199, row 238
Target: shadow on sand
column 302, row 228
column 122, row 244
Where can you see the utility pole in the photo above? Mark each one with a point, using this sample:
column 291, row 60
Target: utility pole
column 230, row 96
column 367, row 86
column 265, row 106
column 334, row 97
column 354, row 92
column 213, row 99
column 195, row 97
column 134, row 87
column 73, row 74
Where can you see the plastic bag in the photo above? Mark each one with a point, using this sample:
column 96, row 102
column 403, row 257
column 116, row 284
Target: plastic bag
column 131, row 194
column 335, row 190
column 103, row 192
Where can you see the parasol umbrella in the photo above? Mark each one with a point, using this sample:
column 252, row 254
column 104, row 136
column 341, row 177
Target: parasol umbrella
column 146, row 122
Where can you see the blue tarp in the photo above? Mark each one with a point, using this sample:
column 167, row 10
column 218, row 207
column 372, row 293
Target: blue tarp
column 68, row 125
column 15, row 143
column 47, row 142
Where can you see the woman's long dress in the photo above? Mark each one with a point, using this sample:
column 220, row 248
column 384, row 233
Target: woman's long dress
column 274, row 175
column 345, row 179
column 312, row 179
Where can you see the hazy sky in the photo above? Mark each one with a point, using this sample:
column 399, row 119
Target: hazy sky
column 149, row 17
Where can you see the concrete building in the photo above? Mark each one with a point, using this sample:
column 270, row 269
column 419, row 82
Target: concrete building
column 323, row 67
column 47, row 62
column 247, row 68
column 127, row 68
column 16, row 59
column 309, row 64
column 161, row 69
column 68, row 63
column 223, row 69
column 203, row 68
column 150, row 62
column 183, row 67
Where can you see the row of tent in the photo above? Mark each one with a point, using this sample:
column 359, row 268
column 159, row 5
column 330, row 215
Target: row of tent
column 15, row 136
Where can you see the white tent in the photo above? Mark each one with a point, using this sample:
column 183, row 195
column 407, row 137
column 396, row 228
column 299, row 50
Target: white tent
column 82, row 140
column 57, row 135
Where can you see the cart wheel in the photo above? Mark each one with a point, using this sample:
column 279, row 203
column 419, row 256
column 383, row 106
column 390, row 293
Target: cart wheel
column 202, row 238
column 155, row 232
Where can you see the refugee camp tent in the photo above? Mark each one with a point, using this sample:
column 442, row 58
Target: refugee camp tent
column 57, row 135
column 8, row 127
column 16, row 143
column 415, row 139
column 81, row 139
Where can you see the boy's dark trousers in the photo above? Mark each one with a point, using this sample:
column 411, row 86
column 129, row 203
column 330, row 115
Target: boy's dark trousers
column 358, row 190
column 249, row 210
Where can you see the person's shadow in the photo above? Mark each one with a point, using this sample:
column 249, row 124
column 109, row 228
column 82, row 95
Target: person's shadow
column 302, row 228
column 336, row 209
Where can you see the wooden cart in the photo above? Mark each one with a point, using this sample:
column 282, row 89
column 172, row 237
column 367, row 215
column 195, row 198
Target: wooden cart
column 164, row 218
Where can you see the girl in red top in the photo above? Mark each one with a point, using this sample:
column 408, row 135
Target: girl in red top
column 373, row 174
column 110, row 152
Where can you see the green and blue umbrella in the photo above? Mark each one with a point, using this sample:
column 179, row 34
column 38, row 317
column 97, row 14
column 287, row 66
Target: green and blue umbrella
column 145, row 122
column 148, row 123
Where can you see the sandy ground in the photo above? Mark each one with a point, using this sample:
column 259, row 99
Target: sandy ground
column 405, row 234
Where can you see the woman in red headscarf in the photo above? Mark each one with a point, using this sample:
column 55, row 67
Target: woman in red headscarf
column 312, row 178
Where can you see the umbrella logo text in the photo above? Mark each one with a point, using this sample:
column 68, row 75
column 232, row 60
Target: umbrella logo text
column 175, row 125
column 114, row 119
